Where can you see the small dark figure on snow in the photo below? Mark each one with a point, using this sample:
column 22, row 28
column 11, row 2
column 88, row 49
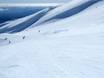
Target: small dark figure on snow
column 23, row 37
column 6, row 39
column 38, row 30
column 9, row 41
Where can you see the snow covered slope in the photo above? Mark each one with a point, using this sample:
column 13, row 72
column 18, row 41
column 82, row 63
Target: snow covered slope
column 47, row 15
column 71, row 8
column 69, row 48
column 15, row 10
column 22, row 23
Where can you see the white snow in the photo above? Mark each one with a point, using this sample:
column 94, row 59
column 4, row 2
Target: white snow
column 72, row 4
column 69, row 48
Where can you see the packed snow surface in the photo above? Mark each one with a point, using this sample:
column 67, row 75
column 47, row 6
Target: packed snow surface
column 72, row 47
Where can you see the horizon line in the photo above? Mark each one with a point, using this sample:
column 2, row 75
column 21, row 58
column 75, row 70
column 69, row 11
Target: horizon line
column 29, row 4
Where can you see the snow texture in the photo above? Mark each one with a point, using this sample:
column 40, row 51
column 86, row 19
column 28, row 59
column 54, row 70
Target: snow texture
column 71, row 47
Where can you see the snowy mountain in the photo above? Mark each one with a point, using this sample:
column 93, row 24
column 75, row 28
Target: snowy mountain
column 64, row 42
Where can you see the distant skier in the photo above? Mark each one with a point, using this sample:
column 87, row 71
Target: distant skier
column 6, row 39
column 38, row 30
column 23, row 37
column 9, row 41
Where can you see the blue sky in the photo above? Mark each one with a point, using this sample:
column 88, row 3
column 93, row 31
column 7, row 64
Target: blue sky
column 31, row 1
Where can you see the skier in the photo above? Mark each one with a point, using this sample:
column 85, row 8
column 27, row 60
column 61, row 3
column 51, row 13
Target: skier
column 38, row 30
column 23, row 37
column 6, row 39
column 9, row 41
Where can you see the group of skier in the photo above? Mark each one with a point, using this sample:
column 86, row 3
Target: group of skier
column 22, row 38
column 10, row 40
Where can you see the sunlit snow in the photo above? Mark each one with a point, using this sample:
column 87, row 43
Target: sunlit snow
column 53, row 47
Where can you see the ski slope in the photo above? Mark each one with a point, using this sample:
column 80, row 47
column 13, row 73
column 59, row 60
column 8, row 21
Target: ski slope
column 72, row 47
